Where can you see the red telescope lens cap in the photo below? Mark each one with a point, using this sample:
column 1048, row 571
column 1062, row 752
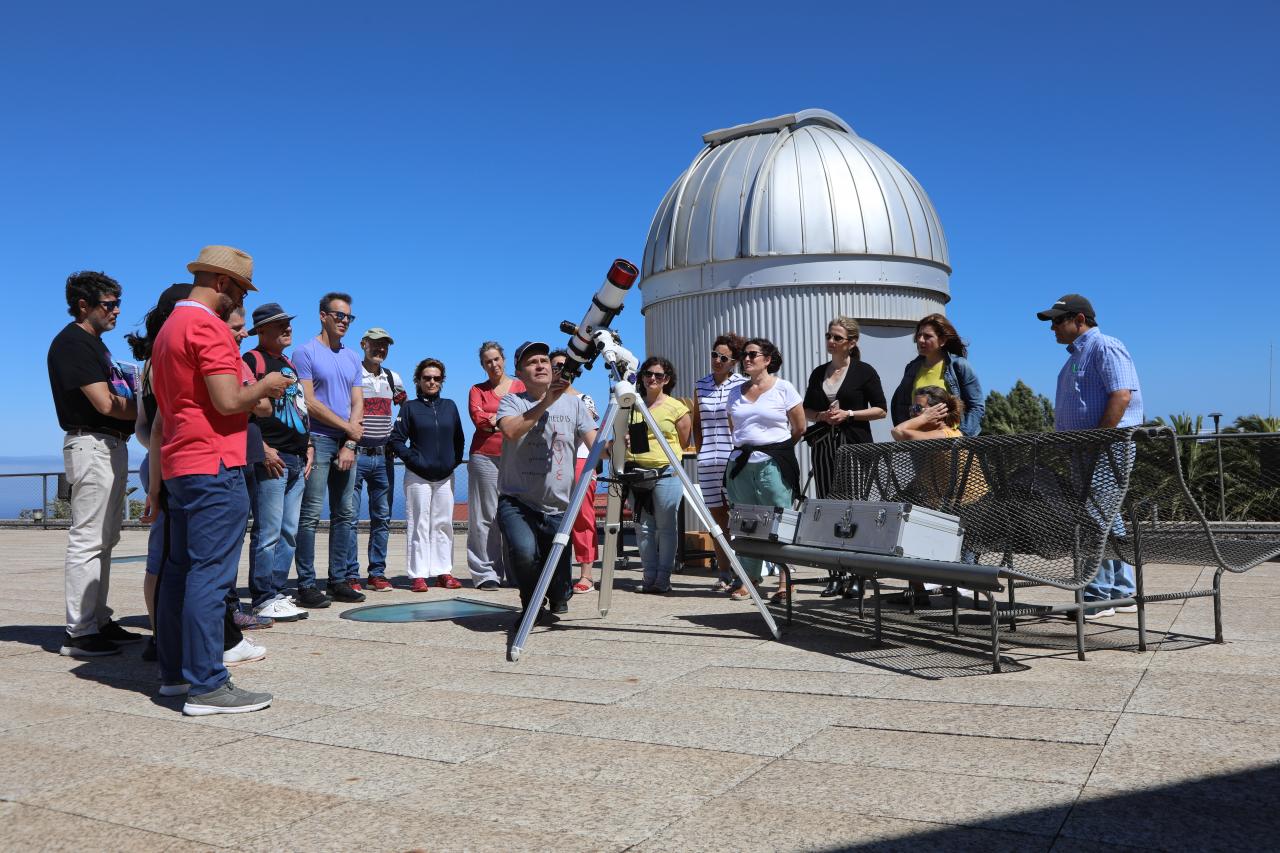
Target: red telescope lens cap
column 623, row 273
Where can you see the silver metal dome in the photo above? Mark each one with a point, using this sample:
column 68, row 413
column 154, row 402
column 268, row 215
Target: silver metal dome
column 801, row 184
column 776, row 227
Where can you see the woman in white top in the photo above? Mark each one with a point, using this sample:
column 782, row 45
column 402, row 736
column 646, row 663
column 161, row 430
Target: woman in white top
column 714, row 441
column 583, row 535
column 766, row 417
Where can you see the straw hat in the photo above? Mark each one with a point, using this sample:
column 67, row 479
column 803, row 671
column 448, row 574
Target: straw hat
column 226, row 260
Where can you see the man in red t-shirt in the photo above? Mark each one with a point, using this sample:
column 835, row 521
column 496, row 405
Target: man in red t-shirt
column 195, row 367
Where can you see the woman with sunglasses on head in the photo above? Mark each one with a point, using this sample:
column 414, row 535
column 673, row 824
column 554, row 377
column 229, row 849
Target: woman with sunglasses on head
column 713, row 438
column 942, row 363
column 428, row 439
column 935, row 413
column 484, row 539
column 583, row 535
column 844, row 395
column 766, row 418
column 658, row 501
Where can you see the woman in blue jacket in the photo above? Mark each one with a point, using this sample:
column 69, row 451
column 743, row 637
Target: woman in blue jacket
column 941, row 362
column 428, row 439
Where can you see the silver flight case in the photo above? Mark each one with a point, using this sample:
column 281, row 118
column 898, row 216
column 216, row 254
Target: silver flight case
column 770, row 523
column 895, row 529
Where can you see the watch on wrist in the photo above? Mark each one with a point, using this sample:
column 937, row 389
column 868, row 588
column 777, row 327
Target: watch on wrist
column 349, row 444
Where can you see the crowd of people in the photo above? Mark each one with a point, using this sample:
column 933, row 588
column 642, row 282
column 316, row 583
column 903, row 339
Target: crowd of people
column 253, row 443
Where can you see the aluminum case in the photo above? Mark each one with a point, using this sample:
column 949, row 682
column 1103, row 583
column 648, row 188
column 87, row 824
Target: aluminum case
column 770, row 523
column 894, row 529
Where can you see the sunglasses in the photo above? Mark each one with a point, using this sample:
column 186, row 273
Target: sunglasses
column 717, row 357
column 1060, row 319
column 110, row 304
column 430, row 378
column 836, row 338
column 752, row 354
column 916, row 408
column 342, row 316
column 649, row 374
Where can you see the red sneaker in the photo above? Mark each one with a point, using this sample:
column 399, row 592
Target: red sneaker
column 355, row 584
column 448, row 582
column 419, row 585
column 379, row 584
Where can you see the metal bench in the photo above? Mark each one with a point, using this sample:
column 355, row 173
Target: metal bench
column 1037, row 509
column 1200, row 500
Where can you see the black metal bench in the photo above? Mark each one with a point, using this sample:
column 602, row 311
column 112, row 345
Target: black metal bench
column 1037, row 509
column 1194, row 500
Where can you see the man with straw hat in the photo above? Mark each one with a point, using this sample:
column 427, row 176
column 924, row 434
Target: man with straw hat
column 196, row 374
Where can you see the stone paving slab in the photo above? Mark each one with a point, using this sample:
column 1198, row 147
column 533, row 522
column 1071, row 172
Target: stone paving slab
column 672, row 724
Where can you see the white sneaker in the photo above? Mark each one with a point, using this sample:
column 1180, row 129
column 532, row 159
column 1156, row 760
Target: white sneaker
column 243, row 652
column 281, row 610
column 1128, row 608
column 1100, row 614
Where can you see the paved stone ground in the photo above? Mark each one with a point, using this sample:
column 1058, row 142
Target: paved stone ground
column 670, row 725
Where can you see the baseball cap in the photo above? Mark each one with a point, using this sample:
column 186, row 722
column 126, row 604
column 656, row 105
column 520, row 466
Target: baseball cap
column 377, row 333
column 1072, row 303
column 531, row 348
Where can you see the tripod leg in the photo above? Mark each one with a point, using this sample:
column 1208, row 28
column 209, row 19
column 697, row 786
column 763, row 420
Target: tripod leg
column 613, row 517
column 704, row 515
column 561, row 539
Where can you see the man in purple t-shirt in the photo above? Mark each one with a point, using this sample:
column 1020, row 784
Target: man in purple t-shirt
column 330, row 376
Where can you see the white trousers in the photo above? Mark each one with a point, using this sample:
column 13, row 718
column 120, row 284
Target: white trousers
column 429, row 518
column 98, row 470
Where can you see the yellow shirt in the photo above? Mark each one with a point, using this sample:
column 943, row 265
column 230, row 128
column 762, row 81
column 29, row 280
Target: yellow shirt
column 930, row 376
column 666, row 414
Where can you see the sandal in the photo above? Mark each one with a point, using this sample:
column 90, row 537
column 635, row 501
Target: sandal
column 584, row 585
column 741, row 592
column 779, row 597
column 721, row 586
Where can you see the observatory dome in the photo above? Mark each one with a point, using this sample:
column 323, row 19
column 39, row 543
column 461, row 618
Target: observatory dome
column 776, row 227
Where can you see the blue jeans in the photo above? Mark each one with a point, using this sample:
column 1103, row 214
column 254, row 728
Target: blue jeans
column 657, row 533
column 206, row 522
column 273, row 538
column 528, row 534
column 342, row 512
column 1115, row 578
column 380, row 473
column 155, row 534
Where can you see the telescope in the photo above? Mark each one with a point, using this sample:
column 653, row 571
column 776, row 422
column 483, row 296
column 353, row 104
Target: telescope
column 605, row 305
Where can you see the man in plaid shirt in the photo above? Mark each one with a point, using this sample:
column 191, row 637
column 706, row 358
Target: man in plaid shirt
column 1097, row 389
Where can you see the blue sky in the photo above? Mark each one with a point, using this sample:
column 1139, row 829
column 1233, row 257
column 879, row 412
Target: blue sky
column 470, row 174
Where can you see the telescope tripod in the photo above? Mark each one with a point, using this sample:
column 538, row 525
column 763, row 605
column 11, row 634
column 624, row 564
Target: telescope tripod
column 617, row 417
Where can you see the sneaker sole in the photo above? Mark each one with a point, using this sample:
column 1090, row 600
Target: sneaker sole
column 73, row 652
column 294, row 617
column 191, row 710
column 245, row 660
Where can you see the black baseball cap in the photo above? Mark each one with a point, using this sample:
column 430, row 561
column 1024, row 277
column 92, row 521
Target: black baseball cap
column 1072, row 303
column 531, row 348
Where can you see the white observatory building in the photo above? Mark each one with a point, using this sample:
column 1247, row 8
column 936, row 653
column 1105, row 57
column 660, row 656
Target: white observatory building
column 776, row 227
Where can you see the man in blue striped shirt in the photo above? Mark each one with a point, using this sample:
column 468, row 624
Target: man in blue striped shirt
column 1097, row 389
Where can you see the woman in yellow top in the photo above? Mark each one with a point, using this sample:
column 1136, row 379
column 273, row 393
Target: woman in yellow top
column 937, row 413
column 658, row 503
column 942, row 361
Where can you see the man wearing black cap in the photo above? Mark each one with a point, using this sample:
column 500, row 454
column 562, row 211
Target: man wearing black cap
column 1097, row 389
column 541, row 428
column 281, row 478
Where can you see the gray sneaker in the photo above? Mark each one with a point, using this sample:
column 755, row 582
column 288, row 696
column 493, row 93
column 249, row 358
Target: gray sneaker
column 227, row 699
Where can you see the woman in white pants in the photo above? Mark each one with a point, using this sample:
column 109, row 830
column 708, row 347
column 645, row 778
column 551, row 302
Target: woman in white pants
column 428, row 439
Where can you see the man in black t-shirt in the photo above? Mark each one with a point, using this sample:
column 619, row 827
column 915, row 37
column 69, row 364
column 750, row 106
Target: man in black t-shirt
column 96, row 404
column 281, row 478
